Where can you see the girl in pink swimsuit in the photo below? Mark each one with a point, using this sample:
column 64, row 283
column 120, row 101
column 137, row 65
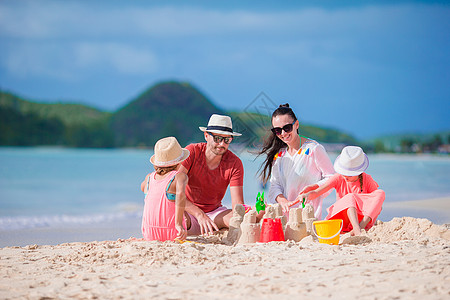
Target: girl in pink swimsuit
column 165, row 196
column 359, row 200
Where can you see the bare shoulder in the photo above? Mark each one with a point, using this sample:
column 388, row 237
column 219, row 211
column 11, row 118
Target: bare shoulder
column 182, row 169
column 181, row 177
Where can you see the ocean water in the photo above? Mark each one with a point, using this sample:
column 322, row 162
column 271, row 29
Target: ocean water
column 45, row 188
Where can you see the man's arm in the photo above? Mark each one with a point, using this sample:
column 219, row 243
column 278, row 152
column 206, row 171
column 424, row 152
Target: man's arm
column 206, row 224
column 237, row 195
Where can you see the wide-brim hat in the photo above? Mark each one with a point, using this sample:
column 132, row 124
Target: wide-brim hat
column 168, row 152
column 352, row 161
column 220, row 125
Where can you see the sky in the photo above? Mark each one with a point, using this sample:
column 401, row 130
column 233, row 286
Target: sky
column 369, row 68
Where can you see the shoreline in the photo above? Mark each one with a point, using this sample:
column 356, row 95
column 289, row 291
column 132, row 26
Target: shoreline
column 440, row 204
column 436, row 210
column 248, row 150
column 111, row 230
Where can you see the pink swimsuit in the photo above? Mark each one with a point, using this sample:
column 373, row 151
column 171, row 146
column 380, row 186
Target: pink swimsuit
column 158, row 219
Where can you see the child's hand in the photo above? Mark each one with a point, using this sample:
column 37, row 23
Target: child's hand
column 308, row 188
column 182, row 233
column 311, row 196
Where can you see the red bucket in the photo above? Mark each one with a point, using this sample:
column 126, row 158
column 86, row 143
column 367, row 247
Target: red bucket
column 271, row 230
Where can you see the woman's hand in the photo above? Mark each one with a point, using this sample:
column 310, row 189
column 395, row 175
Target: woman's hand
column 182, row 232
column 284, row 204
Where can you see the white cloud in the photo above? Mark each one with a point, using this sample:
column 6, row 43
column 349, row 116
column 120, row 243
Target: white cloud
column 61, row 38
column 29, row 59
column 62, row 19
column 123, row 58
column 36, row 19
column 68, row 61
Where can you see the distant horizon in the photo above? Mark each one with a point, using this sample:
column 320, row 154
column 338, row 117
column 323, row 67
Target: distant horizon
column 322, row 125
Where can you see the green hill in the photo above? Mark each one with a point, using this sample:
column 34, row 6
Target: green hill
column 166, row 109
column 411, row 142
column 255, row 127
column 69, row 114
column 27, row 123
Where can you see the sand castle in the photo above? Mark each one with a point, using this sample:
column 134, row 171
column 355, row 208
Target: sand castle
column 244, row 228
column 295, row 228
column 278, row 211
column 308, row 217
column 269, row 213
column 250, row 229
column 234, row 230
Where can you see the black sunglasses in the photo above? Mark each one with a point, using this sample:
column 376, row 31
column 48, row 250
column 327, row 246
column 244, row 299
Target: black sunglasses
column 218, row 139
column 287, row 128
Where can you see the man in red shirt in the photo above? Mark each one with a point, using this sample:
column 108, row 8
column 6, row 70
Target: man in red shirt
column 211, row 167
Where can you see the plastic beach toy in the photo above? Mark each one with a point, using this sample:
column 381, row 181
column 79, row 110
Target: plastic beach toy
column 271, row 230
column 186, row 241
column 247, row 208
column 328, row 231
column 297, row 201
column 260, row 204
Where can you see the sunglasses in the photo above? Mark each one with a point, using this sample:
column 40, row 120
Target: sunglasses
column 287, row 128
column 218, row 139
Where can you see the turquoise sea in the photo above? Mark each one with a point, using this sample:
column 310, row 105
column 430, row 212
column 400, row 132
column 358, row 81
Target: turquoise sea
column 52, row 195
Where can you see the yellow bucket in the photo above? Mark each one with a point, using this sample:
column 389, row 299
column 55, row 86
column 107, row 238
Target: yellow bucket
column 328, row 231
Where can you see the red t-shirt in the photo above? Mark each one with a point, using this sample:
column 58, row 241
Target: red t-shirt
column 206, row 188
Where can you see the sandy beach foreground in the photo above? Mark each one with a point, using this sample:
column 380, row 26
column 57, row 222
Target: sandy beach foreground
column 405, row 258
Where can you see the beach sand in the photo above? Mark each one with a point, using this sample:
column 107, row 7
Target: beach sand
column 435, row 204
column 405, row 258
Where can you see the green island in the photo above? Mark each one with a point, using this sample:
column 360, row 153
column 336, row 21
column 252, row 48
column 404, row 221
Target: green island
column 168, row 108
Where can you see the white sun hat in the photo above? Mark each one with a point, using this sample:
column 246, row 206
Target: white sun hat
column 220, row 125
column 168, row 152
column 352, row 161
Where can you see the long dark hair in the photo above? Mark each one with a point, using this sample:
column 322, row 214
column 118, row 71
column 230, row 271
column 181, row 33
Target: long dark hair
column 272, row 144
column 360, row 177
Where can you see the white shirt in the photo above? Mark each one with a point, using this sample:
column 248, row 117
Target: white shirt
column 290, row 174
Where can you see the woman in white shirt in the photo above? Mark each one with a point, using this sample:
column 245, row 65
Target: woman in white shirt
column 293, row 161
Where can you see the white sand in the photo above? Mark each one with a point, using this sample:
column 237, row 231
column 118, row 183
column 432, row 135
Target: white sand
column 405, row 258
column 438, row 204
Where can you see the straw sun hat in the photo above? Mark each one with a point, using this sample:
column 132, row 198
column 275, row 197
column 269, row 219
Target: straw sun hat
column 220, row 125
column 168, row 152
column 352, row 161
